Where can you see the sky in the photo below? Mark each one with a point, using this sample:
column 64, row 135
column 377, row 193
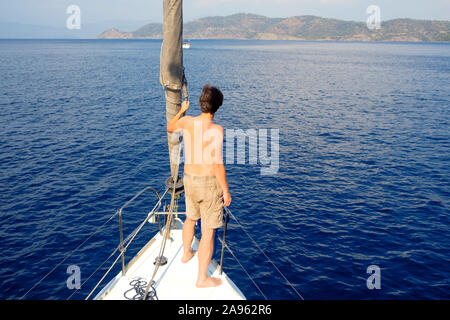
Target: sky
column 138, row 12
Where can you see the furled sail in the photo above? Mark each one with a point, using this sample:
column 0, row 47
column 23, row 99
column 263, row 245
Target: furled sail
column 172, row 72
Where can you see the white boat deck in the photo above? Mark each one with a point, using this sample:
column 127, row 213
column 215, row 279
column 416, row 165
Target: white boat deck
column 174, row 280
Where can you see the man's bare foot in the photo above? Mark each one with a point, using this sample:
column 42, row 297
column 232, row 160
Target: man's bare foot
column 188, row 257
column 209, row 282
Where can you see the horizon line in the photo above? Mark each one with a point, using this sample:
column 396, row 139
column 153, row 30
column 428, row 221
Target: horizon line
column 223, row 16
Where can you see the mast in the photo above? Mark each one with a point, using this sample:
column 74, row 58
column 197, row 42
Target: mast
column 172, row 72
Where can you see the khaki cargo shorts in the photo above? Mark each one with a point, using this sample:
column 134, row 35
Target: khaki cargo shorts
column 204, row 199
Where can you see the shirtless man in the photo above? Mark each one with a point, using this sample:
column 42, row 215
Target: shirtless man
column 205, row 182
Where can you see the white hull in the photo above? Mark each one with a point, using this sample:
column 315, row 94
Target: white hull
column 174, row 280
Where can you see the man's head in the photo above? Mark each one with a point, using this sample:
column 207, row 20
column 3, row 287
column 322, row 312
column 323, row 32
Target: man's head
column 211, row 99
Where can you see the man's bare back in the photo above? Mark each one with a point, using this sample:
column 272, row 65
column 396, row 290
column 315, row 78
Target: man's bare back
column 202, row 154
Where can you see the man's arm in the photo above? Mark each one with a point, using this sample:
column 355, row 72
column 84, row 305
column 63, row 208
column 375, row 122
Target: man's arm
column 175, row 124
column 222, row 178
column 219, row 171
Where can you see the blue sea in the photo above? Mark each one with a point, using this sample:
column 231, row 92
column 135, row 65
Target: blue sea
column 364, row 155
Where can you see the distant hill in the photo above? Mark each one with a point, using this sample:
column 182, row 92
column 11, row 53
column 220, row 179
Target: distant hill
column 250, row 26
column 14, row 30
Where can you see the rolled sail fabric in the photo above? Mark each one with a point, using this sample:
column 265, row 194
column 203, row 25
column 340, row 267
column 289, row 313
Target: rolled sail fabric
column 171, row 70
column 171, row 75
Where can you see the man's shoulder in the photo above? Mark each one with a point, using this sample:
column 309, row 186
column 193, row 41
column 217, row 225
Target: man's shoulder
column 185, row 119
column 218, row 127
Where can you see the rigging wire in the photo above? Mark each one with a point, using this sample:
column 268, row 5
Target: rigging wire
column 246, row 272
column 95, row 271
column 168, row 225
column 262, row 251
column 68, row 256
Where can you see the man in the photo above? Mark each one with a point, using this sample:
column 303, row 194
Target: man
column 205, row 182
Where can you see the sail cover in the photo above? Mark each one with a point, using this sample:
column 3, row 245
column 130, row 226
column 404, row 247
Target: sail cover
column 172, row 71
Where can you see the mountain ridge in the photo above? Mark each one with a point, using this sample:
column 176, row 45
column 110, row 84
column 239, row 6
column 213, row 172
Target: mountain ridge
column 246, row 26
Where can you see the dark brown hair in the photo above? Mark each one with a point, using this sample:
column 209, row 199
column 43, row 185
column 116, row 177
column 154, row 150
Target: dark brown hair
column 211, row 99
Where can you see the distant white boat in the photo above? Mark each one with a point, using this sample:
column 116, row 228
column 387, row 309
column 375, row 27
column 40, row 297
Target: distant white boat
column 186, row 45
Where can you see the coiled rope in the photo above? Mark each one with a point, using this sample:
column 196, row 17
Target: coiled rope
column 138, row 286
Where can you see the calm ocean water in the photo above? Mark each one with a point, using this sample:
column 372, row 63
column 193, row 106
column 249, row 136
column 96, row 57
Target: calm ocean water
column 364, row 161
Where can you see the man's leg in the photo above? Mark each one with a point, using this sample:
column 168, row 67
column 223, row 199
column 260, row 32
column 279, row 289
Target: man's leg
column 188, row 236
column 205, row 251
